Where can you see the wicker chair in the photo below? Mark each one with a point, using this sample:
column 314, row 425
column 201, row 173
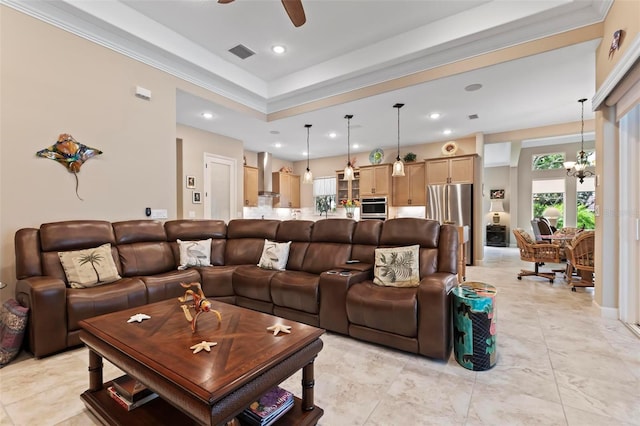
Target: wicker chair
column 531, row 251
column 580, row 252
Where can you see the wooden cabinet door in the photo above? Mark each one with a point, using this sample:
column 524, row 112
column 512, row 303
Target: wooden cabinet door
column 250, row 186
column 417, row 185
column 347, row 189
column 375, row 180
column 461, row 170
column 410, row 189
column 437, row 171
column 294, row 182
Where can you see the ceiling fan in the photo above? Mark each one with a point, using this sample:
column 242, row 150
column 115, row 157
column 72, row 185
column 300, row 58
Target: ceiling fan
column 294, row 10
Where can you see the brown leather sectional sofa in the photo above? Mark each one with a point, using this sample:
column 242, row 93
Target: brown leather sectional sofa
column 146, row 254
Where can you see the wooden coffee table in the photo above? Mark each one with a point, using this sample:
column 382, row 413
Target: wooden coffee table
column 208, row 387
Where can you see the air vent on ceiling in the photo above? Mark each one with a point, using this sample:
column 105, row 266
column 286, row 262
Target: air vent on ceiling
column 242, row 52
column 473, row 116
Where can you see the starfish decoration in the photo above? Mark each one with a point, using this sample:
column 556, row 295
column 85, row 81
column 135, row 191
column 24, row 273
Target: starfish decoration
column 138, row 318
column 277, row 328
column 203, row 345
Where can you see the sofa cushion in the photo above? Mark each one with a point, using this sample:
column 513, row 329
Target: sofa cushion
column 167, row 285
column 89, row 267
column 397, row 266
column 116, row 296
column 253, row 282
column 390, row 309
column 274, row 255
column 194, row 253
column 296, row 290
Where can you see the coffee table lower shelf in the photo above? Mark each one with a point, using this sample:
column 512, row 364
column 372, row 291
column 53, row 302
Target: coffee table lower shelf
column 159, row 412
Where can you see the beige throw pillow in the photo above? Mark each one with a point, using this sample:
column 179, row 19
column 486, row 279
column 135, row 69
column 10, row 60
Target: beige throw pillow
column 274, row 255
column 194, row 253
column 90, row 267
column 397, row 266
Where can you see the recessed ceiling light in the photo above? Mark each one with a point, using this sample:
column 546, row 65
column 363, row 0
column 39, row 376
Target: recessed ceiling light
column 278, row 49
column 434, row 115
column 447, row 131
column 333, row 135
column 473, row 87
column 356, row 146
column 306, row 154
column 207, row 115
column 278, row 145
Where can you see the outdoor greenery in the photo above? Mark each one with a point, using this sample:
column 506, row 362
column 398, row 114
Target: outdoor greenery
column 325, row 204
column 586, row 207
column 548, row 161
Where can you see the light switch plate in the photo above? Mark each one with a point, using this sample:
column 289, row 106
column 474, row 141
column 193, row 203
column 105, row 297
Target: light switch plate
column 159, row 214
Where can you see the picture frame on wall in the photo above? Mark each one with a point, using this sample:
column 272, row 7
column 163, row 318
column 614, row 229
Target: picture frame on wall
column 191, row 182
column 196, row 197
column 496, row 194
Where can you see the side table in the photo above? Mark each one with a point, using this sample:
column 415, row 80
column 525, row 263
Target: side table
column 474, row 325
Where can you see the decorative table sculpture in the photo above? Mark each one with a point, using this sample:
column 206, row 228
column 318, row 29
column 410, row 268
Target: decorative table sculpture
column 200, row 304
column 474, row 325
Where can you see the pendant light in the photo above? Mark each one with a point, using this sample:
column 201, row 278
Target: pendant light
column 578, row 168
column 308, row 176
column 348, row 171
column 398, row 166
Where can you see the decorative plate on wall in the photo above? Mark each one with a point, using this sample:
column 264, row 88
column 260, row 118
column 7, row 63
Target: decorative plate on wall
column 376, row 156
column 450, row 148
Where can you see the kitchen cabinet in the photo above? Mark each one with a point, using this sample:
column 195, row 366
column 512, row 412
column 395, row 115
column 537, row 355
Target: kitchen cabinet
column 410, row 189
column 375, row 180
column 450, row 170
column 288, row 186
column 347, row 189
column 250, row 186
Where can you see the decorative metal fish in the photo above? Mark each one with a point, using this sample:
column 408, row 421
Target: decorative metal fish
column 70, row 153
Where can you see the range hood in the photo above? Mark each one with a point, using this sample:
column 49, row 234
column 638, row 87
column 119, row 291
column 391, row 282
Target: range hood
column 265, row 177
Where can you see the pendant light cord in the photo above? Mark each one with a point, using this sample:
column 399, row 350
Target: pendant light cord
column 398, row 157
column 308, row 126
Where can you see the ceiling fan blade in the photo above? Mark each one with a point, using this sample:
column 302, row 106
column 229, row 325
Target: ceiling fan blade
column 295, row 11
column 224, row 1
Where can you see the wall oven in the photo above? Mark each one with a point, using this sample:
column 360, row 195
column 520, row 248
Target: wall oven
column 373, row 208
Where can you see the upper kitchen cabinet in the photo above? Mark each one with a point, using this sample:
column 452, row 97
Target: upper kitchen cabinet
column 347, row 189
column 410, row 189
column 250, row 186
column 375, row 180
column 450, row 170
column 288, row 186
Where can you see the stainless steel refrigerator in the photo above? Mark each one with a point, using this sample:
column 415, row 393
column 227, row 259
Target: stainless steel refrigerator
column 452, row 203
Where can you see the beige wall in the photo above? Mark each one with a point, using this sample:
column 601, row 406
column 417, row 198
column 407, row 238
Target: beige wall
column 54, row 82
column 193, row 146
column 623, row 15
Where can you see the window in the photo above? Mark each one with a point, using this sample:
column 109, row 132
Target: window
column 586, row 204
column 548, row 193
column 324, row 194
column 548, row 161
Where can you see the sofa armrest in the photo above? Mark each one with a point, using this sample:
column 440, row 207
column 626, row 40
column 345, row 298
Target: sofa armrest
column 360, row 266
column 434, row 314
column 46, row 298
column 333, row 298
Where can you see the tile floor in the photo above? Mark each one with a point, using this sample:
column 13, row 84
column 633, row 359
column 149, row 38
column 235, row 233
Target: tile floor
column 559, row 363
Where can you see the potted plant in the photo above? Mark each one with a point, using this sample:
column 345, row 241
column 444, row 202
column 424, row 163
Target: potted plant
column 409, row 157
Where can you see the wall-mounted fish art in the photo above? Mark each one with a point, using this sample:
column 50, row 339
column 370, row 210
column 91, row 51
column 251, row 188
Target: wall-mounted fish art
column 70, row 153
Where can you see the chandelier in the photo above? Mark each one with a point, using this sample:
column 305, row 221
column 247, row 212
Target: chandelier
column 308, row 176
column 348, row 171
column 578, row 169
column 398, row 166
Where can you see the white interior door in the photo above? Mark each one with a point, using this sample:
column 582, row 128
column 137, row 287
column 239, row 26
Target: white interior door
column 220, row 182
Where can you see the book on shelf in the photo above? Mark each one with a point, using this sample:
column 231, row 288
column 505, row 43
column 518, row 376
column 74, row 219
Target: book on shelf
column 125, row 403
column 130, row 388
column 268, row 408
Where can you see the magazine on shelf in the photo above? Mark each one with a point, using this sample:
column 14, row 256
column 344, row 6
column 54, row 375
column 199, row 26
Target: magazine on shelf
column 269, row 407
column 126, row 404
column 130, row 388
